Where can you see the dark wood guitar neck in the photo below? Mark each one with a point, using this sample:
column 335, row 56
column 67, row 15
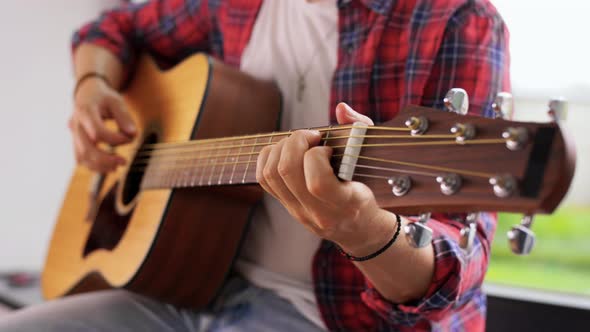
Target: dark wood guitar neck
column 212, row 162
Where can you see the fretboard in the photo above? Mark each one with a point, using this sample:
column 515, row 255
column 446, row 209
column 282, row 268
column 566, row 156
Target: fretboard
column 213, row 162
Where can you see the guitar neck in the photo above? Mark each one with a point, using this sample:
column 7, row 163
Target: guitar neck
column 212, row 162
column 478, row 164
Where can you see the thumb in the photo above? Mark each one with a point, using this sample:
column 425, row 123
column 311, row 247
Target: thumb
column 346, row 115
column 118, row 111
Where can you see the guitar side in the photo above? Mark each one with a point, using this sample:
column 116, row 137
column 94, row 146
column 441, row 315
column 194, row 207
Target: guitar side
column 175, row 245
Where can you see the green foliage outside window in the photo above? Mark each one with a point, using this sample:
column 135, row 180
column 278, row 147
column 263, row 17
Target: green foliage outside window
column 560, row 260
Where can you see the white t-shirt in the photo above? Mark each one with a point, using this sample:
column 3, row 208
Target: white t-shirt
column 290, row 39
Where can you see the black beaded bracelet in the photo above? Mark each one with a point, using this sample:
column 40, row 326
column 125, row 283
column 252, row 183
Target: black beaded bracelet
column 376, row 253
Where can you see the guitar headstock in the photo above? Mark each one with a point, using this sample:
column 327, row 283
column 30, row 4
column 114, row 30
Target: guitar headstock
column 448, row 162
column 426, row 160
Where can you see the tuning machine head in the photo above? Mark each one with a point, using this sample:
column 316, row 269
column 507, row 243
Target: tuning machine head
column 558, row 109
column 516, row 137
column 418, row 125
column 417, row 233
column 450, row 183
column 521, row 238
column 503, row 106
column 400, row 185
column 504, row 185
column 467, row 233
column 457, row 101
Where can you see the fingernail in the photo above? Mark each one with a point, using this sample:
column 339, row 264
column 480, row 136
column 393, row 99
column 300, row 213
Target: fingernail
column 349, row 110
column 316, row 132
column 131, row 128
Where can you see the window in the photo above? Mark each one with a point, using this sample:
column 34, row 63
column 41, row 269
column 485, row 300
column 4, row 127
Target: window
column 549, row 59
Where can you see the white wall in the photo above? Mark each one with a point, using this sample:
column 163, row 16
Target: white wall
column 35, row 89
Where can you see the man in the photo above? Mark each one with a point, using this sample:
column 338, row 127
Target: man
column 375, row 55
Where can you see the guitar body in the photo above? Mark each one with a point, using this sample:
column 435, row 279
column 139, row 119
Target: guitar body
column 175, row 245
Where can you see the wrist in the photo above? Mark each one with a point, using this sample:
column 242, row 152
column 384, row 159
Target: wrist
column 91, row 78
column 378, row 230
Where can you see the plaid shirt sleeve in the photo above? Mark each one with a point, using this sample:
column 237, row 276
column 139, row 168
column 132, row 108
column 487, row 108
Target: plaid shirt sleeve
column 169, row 30
column 474, row 56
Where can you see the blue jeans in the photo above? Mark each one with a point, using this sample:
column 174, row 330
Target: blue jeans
column 241, row 307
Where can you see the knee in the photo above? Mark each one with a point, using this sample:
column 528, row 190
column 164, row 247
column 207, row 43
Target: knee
column 71, row 313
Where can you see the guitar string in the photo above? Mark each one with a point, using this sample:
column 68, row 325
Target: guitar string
column 147, row 152
column 425, row 166
column 399, row 162
column 190, row 147
column 172, row 158
column 274, row 134
column 183, row 148
column 388, row 169
column 159, row 168
column 189, row 144
column 391, row 169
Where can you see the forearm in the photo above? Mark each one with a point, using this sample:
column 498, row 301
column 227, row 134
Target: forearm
column 112, row 43
column 402, row 273
column 92, row 58
column 479, row 64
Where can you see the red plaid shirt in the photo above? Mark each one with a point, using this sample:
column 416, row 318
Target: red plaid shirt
column 391, row 53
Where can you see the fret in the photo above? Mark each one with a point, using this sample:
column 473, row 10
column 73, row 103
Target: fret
column 147, row 177
column 202, row 162
column 188, row 171
column 177, row 171
column 235, row 160
column 250, row 159
column 206, row 161
column 327, row 135
column 209, row 164
column 223, row 166
column 158, row 172
column 184, row 171
column 195, row 168
column 214, row 162
column 158, row 177
column 167, row 175
column 185, row 176
column 174, row 172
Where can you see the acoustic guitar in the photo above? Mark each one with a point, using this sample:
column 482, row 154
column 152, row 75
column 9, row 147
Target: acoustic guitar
column 170, row 223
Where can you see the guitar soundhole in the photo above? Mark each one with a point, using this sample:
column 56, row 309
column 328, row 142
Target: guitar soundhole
column 132, row 183
column 110, row 224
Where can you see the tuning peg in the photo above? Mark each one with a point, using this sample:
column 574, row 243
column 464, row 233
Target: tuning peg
column 400, row 185
column 558, row 109
column 503, row 105
column 417, row 125
column 457, row 101
column 521, row 238
column 469, row 231
column 450, row 183
column 417, row 233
